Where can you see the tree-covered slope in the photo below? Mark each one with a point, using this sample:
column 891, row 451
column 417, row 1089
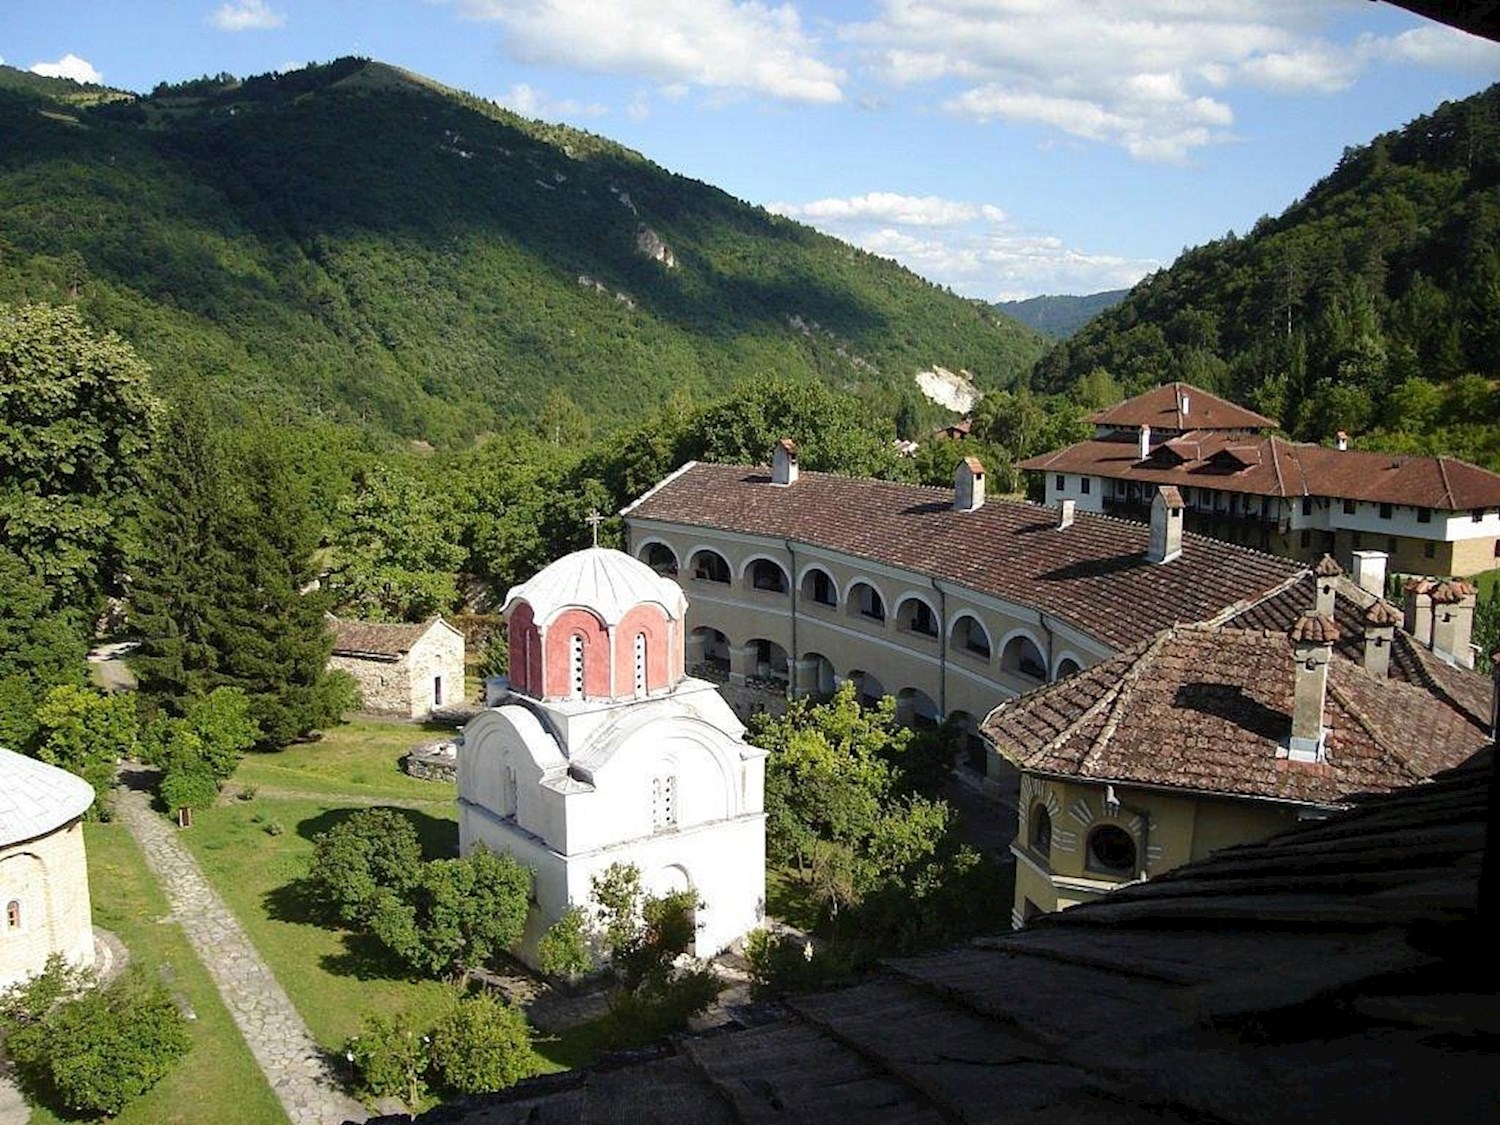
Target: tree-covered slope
column 1372, row 305
column 1058, row 316
column 351, row 241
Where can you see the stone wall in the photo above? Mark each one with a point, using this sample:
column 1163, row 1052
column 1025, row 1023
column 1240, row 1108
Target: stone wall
column 384, row 685
column 47, row 880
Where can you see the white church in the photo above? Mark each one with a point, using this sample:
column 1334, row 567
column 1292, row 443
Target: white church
column 602, row 750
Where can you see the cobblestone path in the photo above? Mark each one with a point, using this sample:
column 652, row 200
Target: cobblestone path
column 286, row 1051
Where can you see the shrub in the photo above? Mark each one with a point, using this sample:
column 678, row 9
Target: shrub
column 188, row 789
column 372, row 853
column 482, row 1044
column 782, row 963
column 564, row 948
column 96, row 1054
column 390, row 1059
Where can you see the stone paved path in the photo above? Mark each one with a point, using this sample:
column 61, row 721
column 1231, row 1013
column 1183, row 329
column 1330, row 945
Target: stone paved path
column 298, row 1071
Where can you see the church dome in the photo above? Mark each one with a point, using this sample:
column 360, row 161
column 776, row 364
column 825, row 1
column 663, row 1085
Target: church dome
column 608, row 583
column 36, row 798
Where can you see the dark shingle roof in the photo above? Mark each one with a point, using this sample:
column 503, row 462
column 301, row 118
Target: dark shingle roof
column 1093, row 574
column 1332, row 973
column 1161, row 408
column 375, row 638
column 1207, row 709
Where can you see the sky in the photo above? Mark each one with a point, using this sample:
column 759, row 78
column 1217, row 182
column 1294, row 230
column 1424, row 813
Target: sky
column 1002, row 148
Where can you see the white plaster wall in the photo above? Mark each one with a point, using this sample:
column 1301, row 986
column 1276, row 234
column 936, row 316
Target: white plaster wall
column 48, row 876
column 1072, row 489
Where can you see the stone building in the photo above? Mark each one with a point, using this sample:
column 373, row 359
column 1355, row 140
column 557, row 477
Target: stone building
column 1428, row 515
column 601, row 750
column 44, row 880
column 410, row 670
column 1209, row 736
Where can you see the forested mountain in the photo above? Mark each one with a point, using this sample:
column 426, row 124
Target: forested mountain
column 353, row 242
column 1371, row 305
column 1059, row 316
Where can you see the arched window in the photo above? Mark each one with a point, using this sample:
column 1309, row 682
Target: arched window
column 1111, row 850
column 1041, row 831
column 1022, row 657
column 710, row 566
column 915, row 616
column 508, row 792
column 866, row 602
column 575, row 665
column 768, row 576
column 640, row 664
column 660, row 558
column 1066, row 667
column 969, row 636
column 663, row 803
column 818, row 588
column 13, row 914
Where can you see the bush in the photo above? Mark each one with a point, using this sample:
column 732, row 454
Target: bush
column 390, row 1059
column 96, row 1054
column 188, row 789
column 373, row 853
column 564, row 948
column 482, row 1044
column 782, row 963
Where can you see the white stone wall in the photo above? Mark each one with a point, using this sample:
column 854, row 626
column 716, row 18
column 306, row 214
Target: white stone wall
column 440, row 653
column 48, row 879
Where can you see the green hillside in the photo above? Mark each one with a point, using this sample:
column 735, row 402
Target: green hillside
column 1371, row 305
column 1058, row 316
column 353, row 242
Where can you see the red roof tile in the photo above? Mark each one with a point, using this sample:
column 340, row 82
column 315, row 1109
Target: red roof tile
column 1093, row 574
column 1161, row 409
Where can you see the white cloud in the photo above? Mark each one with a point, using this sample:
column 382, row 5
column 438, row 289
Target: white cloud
column 69, row 66
column 742, row 45
column 639, row 107
column 246, row 15
column 528, row 101
column 973, row 248
column 1155, row 77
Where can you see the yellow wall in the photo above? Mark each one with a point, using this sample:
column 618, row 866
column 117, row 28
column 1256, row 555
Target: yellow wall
column 1181, row 828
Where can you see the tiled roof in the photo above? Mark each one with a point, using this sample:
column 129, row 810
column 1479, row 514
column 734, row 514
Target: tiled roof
column 608, row 582
column 375, row 638
column 1283, row 469
column 1093, row 574
column 1207, row 708
column 1334, row 973
column 1162, row 409
column 36, row 798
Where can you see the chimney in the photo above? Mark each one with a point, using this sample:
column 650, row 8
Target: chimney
column 968, row 485
column 784, row 462
column 1065, row 514
column 1326, row 574
column 1381, row 620
column 1312, row 647
column 1453, row 622
column 1341, row 440
column 1145, row 446
column 1369, row 571
column 1166, row 525
column 1416, row 605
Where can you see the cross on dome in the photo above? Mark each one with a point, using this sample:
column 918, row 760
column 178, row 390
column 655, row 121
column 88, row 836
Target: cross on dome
column 594, row 519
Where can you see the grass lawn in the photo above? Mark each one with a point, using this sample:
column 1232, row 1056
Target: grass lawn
column 218, row 1080
column 357, row 759
column 334, row 978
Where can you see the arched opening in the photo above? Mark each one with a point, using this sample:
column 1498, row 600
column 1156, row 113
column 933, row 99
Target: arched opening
column 13, row 914
column 575, row 666
column 867, row 688
column 1041, row 831
column 1066, row 667
column 818, row 588
column 914, row 615
column 710, row 566
column 1022, row 658
column 971, row 637
column 915, row 708
column 769, row 662
column 708, row 654
column 1111, row 850
column 865, row 601
column 969, row 746
column 820, row 680
column 660, row 558
column 767, row 576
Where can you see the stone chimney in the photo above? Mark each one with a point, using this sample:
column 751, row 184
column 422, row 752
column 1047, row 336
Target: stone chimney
column 1166, row 525
column 1416, row 605
column 1065, row 514
column 784, row 462
column 1326, row 574
column 968, row 485
column 1369, row 571
column 1381, row 620
column 1453, row 622
column 1312, row 647
column 1144, row 450
column 1341, row 441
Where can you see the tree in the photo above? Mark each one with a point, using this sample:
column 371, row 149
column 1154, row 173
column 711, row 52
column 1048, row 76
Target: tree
column 41, row 647
column 77, row 416
column 563, row 950
column 482, row 1044
column 391, row 1058
column 374, row 852
column 87, row 734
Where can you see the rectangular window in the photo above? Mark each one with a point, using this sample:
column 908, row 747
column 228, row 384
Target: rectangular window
column 1083, row 485
column 663, row 803
column 1349, row 507
column 437, row 691
column 1307, row 505
column 1062, row 482
column 1424, row 515
column 1429, row 550
column 1478, row 514
column 1385, row 511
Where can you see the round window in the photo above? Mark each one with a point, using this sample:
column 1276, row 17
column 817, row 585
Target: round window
column 1112, row 849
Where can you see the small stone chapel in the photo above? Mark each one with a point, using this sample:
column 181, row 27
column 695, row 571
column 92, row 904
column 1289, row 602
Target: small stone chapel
column 600, row 749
